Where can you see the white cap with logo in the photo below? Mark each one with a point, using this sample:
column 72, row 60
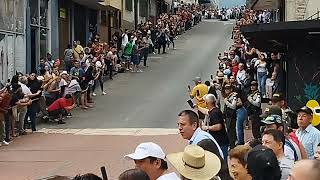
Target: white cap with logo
column 147, row 149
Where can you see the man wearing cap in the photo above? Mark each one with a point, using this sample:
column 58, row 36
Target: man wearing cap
column 215, row 124
column 308, row 135
column 293, row 150
column 198, row 92
column 150, row 158
column 195, row 163
column 279, row 100
column 254, row 109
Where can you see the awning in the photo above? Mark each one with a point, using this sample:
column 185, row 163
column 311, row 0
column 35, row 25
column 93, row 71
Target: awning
column 277, row 35
column 265, row 4
column 93, row 4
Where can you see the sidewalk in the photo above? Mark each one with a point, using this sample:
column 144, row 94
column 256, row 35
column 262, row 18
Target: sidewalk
column 40, row 155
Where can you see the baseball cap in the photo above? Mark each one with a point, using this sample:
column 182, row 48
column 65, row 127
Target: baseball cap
column 271, row 110
column 254, row 83
column 306, row 110
column 261, row 160
column 272, row 119
column 277, row 97
column 147, row 149
column 197, row 79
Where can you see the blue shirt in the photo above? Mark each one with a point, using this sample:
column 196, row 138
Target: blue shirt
column 200, row 135
column 310, row 138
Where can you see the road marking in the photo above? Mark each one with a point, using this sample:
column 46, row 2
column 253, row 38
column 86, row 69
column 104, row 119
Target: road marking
column 154, row 57
column 116, row 131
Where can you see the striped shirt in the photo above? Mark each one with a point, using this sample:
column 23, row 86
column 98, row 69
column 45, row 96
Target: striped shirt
column 310, row 138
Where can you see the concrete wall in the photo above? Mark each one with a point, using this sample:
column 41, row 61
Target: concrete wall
column 297, row 10
column 312, row 7
column 290, row 13
column 114, row 3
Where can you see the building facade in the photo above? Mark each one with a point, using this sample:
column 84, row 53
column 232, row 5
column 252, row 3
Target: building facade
column 12, row 38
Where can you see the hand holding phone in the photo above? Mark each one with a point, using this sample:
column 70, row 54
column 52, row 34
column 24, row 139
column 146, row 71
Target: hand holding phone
column 189, row 87
column 190, row 103
column 211, row 77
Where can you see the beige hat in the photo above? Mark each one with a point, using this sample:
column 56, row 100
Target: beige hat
column 195, row 163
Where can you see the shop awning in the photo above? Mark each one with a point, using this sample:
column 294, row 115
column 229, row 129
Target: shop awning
column 93, row 4
column 277, row 35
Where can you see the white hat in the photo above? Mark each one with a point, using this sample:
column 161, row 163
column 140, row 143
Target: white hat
column 64, row 72
column 98, row 64
column 147, row 149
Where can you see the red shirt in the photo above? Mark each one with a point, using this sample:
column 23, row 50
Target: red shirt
column 235, row 70
column 60, row 103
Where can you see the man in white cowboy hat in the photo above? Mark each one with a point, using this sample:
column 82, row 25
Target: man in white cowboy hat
column 195, row 163
column 150, row 158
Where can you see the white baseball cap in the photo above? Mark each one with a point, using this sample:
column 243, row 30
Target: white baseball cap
column 147, row 149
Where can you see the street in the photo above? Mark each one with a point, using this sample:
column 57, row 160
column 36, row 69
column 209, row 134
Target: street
column 135, row 104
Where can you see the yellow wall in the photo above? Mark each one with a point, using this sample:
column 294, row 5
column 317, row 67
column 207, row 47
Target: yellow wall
column 114, row 3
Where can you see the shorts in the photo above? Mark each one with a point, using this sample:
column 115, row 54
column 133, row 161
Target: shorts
column 127, row 58
column 135, row 59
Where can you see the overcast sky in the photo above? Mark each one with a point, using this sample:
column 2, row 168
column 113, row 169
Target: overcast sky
column 231, row 3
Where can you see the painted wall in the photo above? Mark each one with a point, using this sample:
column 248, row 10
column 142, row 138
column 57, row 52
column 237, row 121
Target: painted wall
column 303, row 71
column 114, row 3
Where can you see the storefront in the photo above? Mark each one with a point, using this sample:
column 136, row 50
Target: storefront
column 12, row 38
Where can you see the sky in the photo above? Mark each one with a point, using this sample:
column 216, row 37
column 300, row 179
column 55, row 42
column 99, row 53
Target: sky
column 231, row 3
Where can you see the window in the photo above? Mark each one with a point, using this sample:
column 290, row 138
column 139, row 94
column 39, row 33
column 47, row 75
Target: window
column 34, row 14
column 143, row 8
column 43, row 12
column 129, row 5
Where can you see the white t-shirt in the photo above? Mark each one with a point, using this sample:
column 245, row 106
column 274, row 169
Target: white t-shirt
column 170, row 176
column 261, row 66
column 26, row 91
column 124, row 39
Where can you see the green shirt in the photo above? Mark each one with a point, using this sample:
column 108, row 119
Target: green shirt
column 128, row 49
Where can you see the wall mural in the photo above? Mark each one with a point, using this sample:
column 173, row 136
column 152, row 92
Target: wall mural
column 304, row 82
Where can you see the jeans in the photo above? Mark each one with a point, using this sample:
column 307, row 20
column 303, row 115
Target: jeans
column 242, row 115
column 32, row 113
column 224, row 149
column 262, row 77
column 2, row 128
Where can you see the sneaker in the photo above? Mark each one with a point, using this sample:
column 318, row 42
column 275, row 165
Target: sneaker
column 140, row 71
column 154, row 52
column 69, row 115
column 104, row 93
column 5, row 143
column 94, row 94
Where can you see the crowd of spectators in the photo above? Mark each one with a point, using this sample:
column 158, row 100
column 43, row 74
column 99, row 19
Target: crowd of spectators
column 57, row 86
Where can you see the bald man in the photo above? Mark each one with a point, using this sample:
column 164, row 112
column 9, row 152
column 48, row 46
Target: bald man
column 305, row 170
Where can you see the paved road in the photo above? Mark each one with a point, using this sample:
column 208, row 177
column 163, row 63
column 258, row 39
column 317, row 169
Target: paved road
column 139, row 107
column 154, row 98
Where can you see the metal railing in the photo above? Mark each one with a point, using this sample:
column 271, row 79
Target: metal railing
column 315, row 16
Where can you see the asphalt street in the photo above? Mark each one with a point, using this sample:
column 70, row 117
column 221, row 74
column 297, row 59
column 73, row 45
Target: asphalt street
column 139, row 107
column 153, row 99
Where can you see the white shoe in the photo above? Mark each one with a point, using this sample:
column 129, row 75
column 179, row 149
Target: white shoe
column 104, row 93
column 94, row 94
column 140, row 71
column 5, row 143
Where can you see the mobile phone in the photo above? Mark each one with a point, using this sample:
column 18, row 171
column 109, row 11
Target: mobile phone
column 211, row 77
column 198, row 93
column 190, row 103
column 104, row 173
column 189, row 87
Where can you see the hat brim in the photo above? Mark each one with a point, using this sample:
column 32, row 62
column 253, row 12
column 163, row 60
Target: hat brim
column 301, row 110
column 134, row 156
column 211, row 168
column 264, row 115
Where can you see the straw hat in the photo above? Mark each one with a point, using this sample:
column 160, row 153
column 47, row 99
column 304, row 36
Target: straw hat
column 195, row 163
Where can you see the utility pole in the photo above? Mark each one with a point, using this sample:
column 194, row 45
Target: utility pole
column 172, row 5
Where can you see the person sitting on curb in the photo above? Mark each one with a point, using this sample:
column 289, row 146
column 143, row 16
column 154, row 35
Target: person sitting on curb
column 61, row 107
